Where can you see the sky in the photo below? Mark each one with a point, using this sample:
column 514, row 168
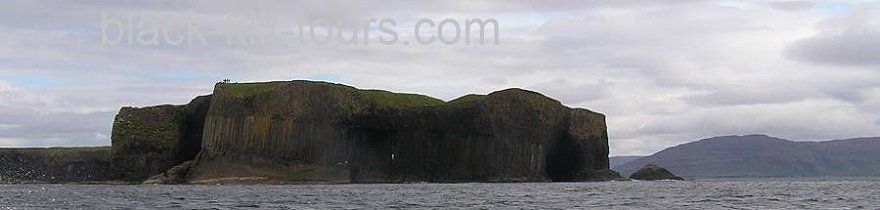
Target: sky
column 664, row 72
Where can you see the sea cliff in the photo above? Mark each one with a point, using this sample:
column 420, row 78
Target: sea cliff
column 310, row 131
column 307, row 132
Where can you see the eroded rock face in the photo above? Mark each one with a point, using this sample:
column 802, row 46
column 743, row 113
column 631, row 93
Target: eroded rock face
column 311, row 131
column 653, row 172
column 148, row 141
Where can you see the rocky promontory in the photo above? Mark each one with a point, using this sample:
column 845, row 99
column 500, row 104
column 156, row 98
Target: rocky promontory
column 306, row 132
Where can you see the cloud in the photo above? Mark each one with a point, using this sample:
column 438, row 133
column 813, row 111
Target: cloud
column 575, row 93
column 851, row 39
column 664, row 72
column 798, row 120
column 8, row 126
column 87, row 129
column 792, row 5
column 40, row 118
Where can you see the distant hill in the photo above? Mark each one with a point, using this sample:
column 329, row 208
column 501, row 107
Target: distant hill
column 620, row 160
column 765, row 156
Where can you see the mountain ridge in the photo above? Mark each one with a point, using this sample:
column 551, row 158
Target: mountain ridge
column 760, row 155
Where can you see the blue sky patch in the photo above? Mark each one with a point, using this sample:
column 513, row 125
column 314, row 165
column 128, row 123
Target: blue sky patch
column 833, row 8
column 37, row 81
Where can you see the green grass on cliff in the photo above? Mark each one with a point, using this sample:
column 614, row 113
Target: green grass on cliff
column 248, row 89
column 471, row 98
column 382, row 97
column 154, row 124
column 400, row 99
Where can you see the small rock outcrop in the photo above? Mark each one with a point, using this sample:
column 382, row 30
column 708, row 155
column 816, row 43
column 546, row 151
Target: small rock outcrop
column 602, row 175
column 653, row 172
column 175, row 175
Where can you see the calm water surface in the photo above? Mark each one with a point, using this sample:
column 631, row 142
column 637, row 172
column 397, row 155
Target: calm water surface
column 702, row 194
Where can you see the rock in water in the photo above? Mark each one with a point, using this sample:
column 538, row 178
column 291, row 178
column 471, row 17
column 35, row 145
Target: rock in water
column 175, row 175
column 654, row 172
column 603, row 175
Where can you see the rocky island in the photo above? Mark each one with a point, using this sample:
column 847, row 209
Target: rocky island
column 317, row 132
column 653, row 172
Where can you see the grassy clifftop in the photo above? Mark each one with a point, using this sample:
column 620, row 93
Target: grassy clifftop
column 467, row 99
column 400, row 99
column 381, row 97
column 248, row 89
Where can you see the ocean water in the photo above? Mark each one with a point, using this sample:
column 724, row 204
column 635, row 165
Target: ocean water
column 700, row 194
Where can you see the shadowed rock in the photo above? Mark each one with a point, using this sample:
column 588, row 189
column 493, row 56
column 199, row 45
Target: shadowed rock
column 654, row 172
column 148, row 141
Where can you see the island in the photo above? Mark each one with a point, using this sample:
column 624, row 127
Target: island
column 319, row 132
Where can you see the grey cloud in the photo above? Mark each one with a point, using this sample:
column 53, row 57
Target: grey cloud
column 792, row 5
column 853, row 39
column 74, row 116
column 851, row 47
column 71, row 129
column 799, row 120
column 746, row 95
column 575, row 93
column 665, row 72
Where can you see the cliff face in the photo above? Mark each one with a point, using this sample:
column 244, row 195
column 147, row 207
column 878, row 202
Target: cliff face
column 148, row 141
column 54, row 165
column 311, row 131
column 510, row 135
column 281, row 131
column 304, row 131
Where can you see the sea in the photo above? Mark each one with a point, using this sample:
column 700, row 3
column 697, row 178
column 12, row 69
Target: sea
column 812, row 193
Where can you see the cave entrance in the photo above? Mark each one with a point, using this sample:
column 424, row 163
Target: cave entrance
column 565, row 160
column 373, row 155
